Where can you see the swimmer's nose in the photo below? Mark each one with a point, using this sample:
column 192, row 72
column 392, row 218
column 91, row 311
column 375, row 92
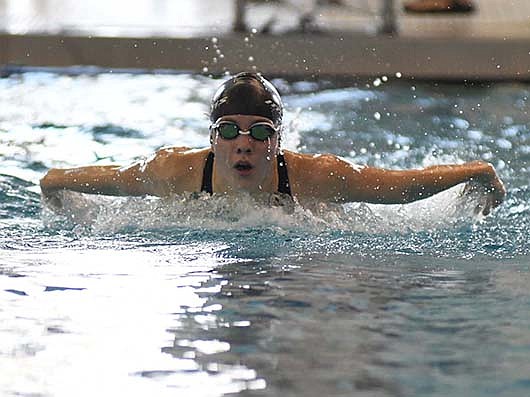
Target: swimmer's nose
column 241, row 150
column 244, row 145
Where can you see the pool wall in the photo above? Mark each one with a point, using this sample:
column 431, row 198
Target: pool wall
column 297, row 55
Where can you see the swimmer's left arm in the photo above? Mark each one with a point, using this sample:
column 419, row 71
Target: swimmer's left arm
column 329, row 177
column 382, row 186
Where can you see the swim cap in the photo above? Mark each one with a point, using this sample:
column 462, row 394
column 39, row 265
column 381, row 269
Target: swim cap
column 250, row 94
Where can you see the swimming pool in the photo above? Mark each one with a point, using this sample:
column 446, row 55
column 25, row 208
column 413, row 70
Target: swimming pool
column 210, row 297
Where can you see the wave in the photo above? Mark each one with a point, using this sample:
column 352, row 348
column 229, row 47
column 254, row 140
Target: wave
column 100, row 214
column 445, row 225
column 16, row 198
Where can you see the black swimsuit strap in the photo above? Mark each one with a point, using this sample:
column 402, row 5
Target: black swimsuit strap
column 283, row 178
column 206, row 185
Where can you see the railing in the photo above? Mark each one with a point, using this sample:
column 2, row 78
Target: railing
column 388, row 17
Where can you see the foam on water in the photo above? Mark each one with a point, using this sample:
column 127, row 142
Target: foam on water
column 98, row 214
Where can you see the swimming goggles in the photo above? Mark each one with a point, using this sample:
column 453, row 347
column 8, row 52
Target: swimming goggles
column 230, row 130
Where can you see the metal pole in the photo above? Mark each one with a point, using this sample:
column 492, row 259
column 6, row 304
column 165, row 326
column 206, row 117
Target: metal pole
column 389, row 25
column 239, row 20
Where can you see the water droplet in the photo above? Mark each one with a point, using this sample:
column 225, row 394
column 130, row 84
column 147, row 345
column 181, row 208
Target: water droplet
column 251, row 58
column 246, row 39
column 398, row 75
column 205, row 69
column 377, row 116
column 254, row 30
column 384, row 78
column 214, row 40
column 377, row 82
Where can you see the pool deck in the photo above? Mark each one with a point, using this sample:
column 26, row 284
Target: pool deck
column 491, row 44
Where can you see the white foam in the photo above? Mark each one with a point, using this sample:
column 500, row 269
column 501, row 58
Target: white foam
column 101, row 214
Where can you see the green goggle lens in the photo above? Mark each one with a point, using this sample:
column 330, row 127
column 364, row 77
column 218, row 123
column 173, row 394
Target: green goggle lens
column 228, row 130
column 260, row 132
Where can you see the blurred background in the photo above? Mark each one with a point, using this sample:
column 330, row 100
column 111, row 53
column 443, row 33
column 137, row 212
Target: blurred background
column 301, row 37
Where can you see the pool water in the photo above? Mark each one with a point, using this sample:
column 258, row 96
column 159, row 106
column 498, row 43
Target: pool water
column 215, row 296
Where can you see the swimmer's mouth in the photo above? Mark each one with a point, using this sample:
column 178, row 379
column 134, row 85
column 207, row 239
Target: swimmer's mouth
column 243, row 166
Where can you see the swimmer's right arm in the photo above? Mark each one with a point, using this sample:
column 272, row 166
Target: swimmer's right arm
column 107, row 180
column 170, row 170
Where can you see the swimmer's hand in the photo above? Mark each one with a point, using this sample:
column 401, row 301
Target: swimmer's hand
column 489, row 184
column 51, row 193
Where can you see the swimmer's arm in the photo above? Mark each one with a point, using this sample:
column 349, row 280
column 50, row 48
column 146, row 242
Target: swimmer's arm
column 107, row 180
column 382, row 186
column 168, row 171
column 328, row 177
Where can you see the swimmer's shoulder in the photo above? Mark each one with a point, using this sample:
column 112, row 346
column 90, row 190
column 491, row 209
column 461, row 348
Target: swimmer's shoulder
column 305, row 172
column 181, row 154
column 308, row 163
column 321, row 176
column 179, row 168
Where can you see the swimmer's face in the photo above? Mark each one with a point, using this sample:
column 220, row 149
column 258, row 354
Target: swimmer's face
column 245, row 163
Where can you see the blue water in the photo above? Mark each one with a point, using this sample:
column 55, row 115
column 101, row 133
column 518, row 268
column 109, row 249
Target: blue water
column 210, row 297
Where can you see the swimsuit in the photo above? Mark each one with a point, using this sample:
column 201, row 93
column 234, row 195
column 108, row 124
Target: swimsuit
column 283, row 178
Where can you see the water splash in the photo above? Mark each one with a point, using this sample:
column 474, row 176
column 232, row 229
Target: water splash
column 97, row 214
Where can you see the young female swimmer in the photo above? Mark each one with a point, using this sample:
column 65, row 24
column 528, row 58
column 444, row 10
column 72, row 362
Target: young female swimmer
column 245, row 156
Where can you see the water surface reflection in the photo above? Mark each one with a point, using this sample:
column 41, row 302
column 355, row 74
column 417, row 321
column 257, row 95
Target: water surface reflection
column 390, row 327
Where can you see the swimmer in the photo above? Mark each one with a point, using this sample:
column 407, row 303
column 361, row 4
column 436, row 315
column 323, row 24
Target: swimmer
column 245, row 155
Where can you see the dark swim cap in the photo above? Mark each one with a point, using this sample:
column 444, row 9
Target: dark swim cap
column 249, row 94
